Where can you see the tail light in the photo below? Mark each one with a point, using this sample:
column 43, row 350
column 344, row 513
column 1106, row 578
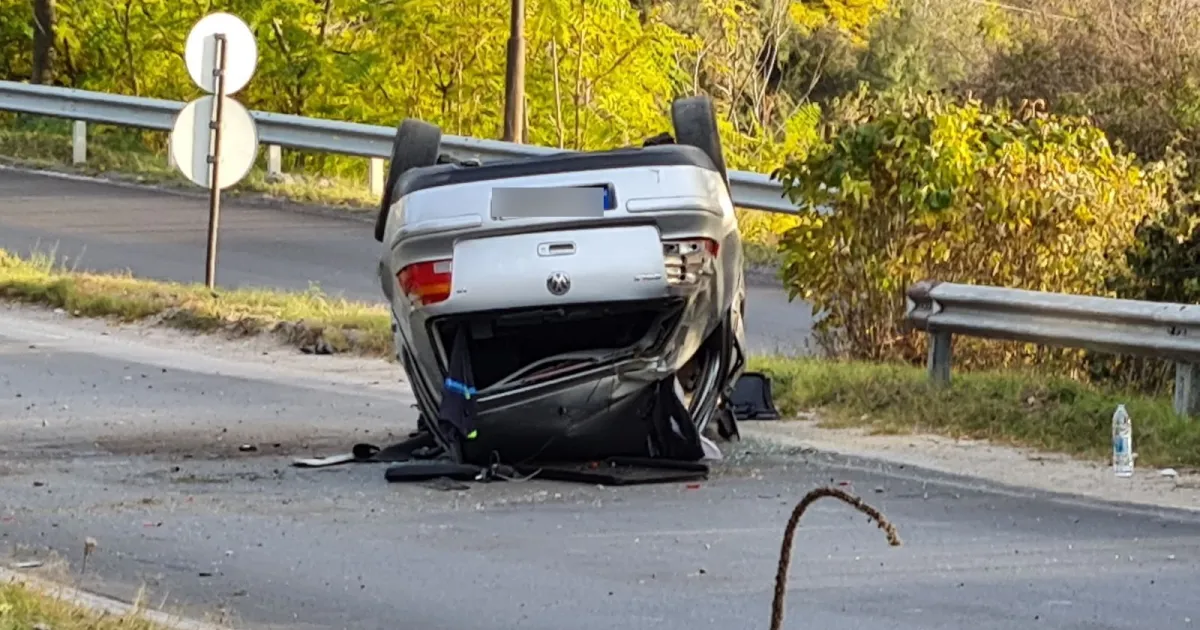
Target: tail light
column 426, row 283
column 686, row 259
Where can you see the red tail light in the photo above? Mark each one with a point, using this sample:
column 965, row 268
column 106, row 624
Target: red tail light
column 426, row 283
column 685, row 259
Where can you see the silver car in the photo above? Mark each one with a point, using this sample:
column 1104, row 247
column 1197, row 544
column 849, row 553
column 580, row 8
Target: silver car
column 578, row 306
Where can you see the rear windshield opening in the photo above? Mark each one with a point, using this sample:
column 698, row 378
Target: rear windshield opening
column 580, row 336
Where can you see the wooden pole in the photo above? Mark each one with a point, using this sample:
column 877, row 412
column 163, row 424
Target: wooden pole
column 514, row 77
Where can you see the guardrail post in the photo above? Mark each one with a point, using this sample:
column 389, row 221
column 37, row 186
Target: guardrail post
column 1187, row 389
column 375, row 177
column 939, row 357
column 79, row 143
column 274, row 161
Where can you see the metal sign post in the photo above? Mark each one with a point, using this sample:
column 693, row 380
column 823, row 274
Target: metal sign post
column 214, row 140
column 214, row 161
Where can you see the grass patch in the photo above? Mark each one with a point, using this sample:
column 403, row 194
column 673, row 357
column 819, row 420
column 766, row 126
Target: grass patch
column 310, row 318
column 22, row 608
column 1043, row 411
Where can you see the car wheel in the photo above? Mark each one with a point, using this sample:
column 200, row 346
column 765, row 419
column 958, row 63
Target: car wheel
column 695, row 123
column 416, row 145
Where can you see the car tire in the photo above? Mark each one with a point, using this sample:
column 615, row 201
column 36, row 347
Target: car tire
column 416, row 145
column 695, row 123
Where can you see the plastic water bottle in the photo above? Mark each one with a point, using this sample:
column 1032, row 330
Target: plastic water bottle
column 1122, row 441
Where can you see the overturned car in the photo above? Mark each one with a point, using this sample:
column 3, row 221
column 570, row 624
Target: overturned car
column 569, row 307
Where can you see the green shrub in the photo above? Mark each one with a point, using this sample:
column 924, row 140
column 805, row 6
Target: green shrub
column 925, row 186
column 1162, row 264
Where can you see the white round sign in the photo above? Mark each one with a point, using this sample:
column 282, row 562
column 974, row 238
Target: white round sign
column 192, row 137
column 241, row 52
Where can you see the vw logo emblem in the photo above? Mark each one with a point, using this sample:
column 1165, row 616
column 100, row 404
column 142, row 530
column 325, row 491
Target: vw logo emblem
column 558, row 283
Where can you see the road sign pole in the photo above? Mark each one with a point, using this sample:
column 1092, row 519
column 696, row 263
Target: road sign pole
column 220, row 56
column 214, row 161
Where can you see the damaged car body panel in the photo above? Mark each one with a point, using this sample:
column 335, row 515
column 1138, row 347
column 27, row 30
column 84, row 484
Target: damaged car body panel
column 575, row 319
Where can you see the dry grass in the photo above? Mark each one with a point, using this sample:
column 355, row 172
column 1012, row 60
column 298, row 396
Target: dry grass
column 23, row 608
column 300, row 318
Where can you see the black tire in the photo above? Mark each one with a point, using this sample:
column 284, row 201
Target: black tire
column 416, row 145
column 695, row 123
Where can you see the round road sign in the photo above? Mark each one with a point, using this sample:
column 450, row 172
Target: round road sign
column 241, row 52
column 191, row 141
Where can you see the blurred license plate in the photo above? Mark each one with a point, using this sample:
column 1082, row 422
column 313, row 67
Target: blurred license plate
column 580, row 202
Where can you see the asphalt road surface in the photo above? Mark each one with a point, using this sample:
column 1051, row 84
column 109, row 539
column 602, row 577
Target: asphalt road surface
column 138, row 446
column 164, row 236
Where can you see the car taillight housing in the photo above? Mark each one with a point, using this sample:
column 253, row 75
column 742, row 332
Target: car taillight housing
column 686, row 259
column 426, row 283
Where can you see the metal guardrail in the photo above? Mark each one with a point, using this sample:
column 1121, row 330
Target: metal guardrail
column 750, row 190
column 1132, row 327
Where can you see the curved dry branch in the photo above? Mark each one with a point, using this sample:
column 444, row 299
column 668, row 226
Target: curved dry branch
column 789, row 535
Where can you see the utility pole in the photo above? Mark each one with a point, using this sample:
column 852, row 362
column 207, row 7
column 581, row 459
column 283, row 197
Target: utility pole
column 43, row 41
column 514, row 77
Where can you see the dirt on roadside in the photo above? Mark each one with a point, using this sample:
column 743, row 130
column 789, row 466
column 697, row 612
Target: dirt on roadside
column 1006, row 465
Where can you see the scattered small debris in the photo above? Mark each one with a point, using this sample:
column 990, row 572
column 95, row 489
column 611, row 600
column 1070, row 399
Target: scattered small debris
column 319, row 347
column 89, row 545
column 445, row 484
column 38, row 484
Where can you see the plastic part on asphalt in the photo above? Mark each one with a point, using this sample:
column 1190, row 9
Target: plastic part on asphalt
column 419, row 445
column 621, row 471
column 752, row 399
column 417, row 470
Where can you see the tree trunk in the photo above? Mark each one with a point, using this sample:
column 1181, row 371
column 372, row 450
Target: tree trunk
column 43, row 41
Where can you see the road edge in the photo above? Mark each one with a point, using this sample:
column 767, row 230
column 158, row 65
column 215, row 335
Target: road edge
column 880, row 462
column 255, row 200
column 101, row 604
